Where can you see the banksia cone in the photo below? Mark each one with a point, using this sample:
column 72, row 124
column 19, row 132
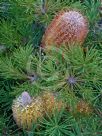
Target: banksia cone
column 26, row 110
column 68, row 27
column 50, row 102
column 83, row 107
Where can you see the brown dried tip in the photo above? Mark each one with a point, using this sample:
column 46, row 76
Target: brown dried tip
column 68, row 27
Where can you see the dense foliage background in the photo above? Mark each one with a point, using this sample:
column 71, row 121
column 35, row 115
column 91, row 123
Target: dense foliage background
column 24, row 67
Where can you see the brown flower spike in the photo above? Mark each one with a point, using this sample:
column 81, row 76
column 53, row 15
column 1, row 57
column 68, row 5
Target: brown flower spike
column 51, row 103
column 83, row 107
column 68, row 27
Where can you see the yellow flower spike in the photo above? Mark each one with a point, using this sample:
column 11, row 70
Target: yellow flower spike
column 26, row 110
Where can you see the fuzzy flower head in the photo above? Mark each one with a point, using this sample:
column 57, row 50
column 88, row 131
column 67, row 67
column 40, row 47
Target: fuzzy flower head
column 27, row 110
column 67, row 27
column 84, row 108
column 50, row 102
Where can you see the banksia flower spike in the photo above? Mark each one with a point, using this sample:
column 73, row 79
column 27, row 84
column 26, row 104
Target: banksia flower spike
column 50, row 102
column 26, row 110
column 84, row 108
column 68, row 27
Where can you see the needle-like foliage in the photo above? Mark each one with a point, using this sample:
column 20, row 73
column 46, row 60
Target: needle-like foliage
column 71, row 67
column 72, row 73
